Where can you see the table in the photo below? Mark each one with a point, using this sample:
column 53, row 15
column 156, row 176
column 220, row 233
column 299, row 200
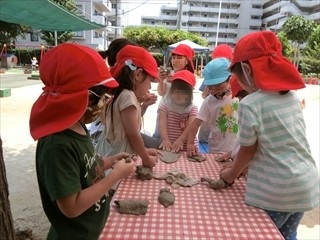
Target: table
column 198, row 212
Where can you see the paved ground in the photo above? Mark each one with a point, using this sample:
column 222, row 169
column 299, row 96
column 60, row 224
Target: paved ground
column 19, row 150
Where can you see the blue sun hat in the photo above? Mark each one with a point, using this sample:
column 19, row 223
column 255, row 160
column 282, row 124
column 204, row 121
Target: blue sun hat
column 216, row 71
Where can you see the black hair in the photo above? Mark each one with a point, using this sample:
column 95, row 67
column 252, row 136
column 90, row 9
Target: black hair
column 179, row 84
column 114, row 47
column 126, row 81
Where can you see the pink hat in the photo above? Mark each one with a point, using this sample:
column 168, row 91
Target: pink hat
column 271, row 70
column 222, row 50
column 67, row 71
column 185, row 75
column 184, row 50
column 135, row 56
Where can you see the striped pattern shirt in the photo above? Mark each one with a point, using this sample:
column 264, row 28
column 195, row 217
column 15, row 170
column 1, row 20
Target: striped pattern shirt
column 177, row 120
column 282, row 174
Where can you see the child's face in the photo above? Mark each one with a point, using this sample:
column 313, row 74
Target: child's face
column 178, row 62
column 180, row 97
column 219, row 88
column 143, row 84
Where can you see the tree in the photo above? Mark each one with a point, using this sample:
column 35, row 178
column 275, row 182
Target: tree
column 9, row 32
column 6, row 224
column 61, row 36
column 159, row 37
column 298, row 30
column 286, row 47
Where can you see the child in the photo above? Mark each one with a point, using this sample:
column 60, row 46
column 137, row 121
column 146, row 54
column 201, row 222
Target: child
column 135, row 69
column 34, row 63
column 177, row 114
column 219, row 110
column 181, row 59
column 70, row 175
column 283, row 178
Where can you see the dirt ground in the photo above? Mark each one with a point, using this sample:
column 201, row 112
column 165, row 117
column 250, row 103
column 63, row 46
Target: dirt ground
column 19, row 150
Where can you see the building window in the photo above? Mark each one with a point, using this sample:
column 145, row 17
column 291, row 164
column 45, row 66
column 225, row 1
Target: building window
column 79, row 34
column 34, row 37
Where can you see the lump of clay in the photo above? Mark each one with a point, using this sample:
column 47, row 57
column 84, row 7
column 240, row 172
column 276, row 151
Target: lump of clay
column 215, row 184
column 144, row 173
column 169, row 157
column 132, row 206
column 176, row 179
column 196, row 158
column 166, row 198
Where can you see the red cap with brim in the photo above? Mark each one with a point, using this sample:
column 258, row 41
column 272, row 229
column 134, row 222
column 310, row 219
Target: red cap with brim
column 184, row 50
column 136, row 56
column 185, row 75
column 272, row 71
column 67, row 71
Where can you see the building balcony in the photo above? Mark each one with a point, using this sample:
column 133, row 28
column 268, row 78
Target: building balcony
column 99, row 19
column 103, row 5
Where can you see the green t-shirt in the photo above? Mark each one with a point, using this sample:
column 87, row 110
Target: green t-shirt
column 66, row 164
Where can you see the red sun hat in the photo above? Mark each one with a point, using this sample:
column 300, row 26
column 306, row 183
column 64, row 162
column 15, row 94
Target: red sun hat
column 185, row 75
column 222, row 50
column 235, row 86
column 67, row 71
column 271, row 70
column 186, row 51
column 135, row 56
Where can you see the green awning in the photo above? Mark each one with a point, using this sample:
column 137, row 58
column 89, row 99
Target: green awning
column 43, row 15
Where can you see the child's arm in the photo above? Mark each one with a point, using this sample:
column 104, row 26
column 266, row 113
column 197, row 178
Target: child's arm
column 191, row 148
column 178, row 143
column 74, row 205
column 161, row 89
column 244, row 157
column 165, row 142
column 129, row 118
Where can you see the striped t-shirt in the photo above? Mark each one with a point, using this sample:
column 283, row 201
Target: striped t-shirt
column 177, row 120
column 282, row 174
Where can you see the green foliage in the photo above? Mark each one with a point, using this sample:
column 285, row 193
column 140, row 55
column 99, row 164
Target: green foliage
column 61, row 36
column 9, row 32
column 314, row 37
column 286, row 47
column 159, row 37
column 311, row 60
column 298, row 29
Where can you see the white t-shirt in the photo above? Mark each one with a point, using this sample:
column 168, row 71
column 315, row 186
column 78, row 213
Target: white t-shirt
column 222, row 117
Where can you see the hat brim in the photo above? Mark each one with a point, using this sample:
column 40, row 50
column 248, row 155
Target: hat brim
column 110, row 82
column 216, row 81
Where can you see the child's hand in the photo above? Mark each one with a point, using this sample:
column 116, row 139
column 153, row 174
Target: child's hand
column 151, row 99
column 166, row 145
column 123, row 169
column 226, row 174
column 192, row 149
column 177, row 145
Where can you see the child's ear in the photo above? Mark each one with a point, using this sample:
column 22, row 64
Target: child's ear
column 138, row 74
column 247, row 68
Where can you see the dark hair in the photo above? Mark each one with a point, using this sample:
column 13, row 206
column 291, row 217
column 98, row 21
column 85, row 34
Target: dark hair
column 114, row 47
column 179, row 84
column 126, row 81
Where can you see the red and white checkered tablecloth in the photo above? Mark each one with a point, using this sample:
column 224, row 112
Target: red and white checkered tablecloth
column 198, row 212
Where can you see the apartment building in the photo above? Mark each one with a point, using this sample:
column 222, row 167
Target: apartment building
column 228, row 20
